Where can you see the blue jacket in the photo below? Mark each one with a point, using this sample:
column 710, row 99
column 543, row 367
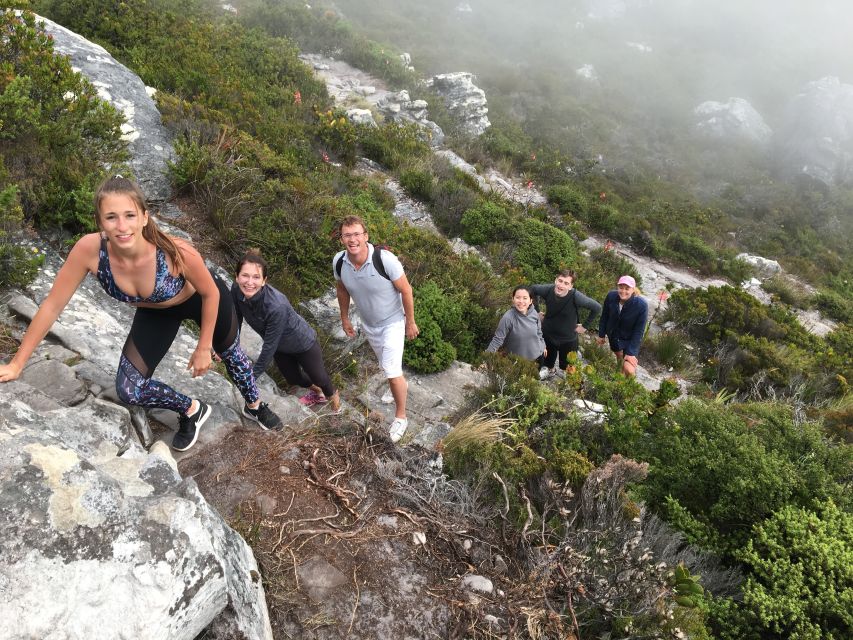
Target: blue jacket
column 624, row 329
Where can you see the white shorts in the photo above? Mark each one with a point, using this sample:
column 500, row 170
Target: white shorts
column 387, row 343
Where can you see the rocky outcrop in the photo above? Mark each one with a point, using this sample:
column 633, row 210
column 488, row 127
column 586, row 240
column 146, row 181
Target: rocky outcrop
column 399, row 107
column 354, row 90
column 464, row 99
column 763, row 267
column 735, row 119
column 149, row 143
column 102, row 540
column 816, row 135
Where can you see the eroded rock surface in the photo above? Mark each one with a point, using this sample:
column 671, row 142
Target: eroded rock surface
column 150, row 144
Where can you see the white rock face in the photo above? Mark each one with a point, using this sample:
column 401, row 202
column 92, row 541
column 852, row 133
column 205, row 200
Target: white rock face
column 734, row 119
column 348, row 85
column 764, row 267
column 587, row 71
column 150, row 143
column 816, row 136
column 102, row 540
column 464, row 99
column 361, row 116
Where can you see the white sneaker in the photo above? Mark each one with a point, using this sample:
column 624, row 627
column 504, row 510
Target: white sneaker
column 545, row 373
column 398, row 428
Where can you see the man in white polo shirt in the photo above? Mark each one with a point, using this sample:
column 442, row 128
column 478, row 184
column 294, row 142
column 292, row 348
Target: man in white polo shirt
column 383, row 298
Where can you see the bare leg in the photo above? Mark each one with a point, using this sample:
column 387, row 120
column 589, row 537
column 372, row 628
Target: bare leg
column 399, row 389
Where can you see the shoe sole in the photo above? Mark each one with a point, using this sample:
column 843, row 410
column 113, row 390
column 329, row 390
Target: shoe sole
column 205, row 408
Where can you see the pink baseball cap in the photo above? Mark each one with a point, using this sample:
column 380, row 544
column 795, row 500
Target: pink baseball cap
column 627, row 280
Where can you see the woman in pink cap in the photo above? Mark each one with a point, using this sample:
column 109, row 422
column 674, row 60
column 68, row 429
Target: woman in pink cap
column 623, row 321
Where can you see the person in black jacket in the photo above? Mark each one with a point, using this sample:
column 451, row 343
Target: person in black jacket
column 288, row 338
column 561, row 322
column 623, row 322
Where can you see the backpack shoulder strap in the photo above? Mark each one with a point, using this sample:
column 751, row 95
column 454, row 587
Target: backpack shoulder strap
column 377, row 261
column 339, row 264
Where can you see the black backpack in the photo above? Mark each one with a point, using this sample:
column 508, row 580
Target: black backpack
column 377, row 261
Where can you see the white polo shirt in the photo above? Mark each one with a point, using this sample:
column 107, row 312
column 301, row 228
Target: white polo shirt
column 376, row 298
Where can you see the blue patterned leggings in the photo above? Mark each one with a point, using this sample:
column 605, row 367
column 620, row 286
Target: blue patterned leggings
column 151, row 335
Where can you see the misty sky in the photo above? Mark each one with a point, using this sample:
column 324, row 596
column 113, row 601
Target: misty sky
column 763, row 50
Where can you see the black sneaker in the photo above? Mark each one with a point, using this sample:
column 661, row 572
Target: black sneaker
column 264, row 416
column 189, row 427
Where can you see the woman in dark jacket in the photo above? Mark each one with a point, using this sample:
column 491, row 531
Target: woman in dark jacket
column 288, row 339
column 623, row 321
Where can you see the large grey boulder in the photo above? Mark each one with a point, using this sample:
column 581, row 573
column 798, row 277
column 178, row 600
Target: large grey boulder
column 816, row 135
column 101, row 540
column 464, row 99
column 735, row 119
column 150, row 144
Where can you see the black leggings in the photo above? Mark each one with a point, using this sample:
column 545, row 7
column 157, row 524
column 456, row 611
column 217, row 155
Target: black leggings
column 312, row 370
column 151, row 335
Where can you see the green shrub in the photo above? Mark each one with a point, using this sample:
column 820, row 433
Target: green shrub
column 418, row 184
column 787, row 290
column 729, row 471
column 692, row 251
column 542, row 250
column 668, row 348
column 569, row 200
column 835, row 306
column 801, row 582
column 448, row 312
column 429, row 352
column 450, row 201
column 57, row 135
column 17, row 265
column 485, row 222
column 392, row 144
column 438, row 316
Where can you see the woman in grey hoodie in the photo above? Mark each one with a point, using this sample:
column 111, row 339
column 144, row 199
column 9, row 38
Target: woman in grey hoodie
column 519, row 332
column 288, row 339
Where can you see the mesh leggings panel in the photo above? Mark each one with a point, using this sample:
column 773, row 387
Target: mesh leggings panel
column 134, row 388
column 151, row 335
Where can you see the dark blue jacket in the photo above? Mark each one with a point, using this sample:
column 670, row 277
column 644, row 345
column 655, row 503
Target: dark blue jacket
column 625, row 329
column 270, row 313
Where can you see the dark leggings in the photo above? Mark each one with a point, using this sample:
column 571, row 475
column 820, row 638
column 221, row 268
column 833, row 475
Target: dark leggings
column 559, row 348
column 312, row 370
column 151, row 335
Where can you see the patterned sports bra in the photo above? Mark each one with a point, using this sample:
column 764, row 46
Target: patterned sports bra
column 166, row 286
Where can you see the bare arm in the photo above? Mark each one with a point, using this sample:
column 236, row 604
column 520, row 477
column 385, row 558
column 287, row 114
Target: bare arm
column 343, row 303
column 67, row 281
column 402, row 285
column 196, row 273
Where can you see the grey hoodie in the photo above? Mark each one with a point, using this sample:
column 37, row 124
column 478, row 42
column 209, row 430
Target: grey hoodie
column 519, row 334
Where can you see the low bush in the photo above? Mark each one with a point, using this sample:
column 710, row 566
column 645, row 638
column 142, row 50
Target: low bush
column 801, row 580
column 835, row 306
column 668, row 348
column 418, row 184
column 392, row 145
column 569, row 199
column 721, row 472
column 485, row 222
column 542, row 250
column 57, row 134
column 17, row 265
